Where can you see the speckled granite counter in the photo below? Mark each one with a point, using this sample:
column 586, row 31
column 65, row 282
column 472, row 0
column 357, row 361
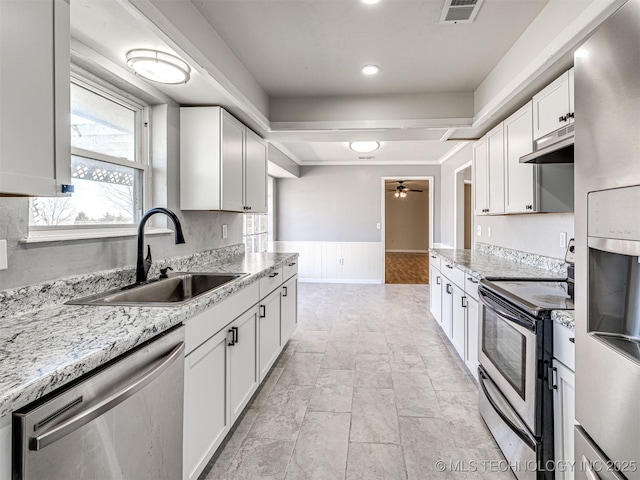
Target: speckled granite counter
column 47, row 348
column 564, row 317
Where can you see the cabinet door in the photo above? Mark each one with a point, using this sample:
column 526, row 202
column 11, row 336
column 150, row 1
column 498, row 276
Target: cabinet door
column 447, row 306
column 551, row 106
column 243, row 364
column 289, row 319
column 269, row 331
column 564, row 413
column 495, row 152
column 255, row 174
column 471, row 337
column 519, row 177
column 458, row 320
column 205, row 400
column 572, row 107
column 34, row 91
column 232, row 179
column 480, row 177
column 435, row 293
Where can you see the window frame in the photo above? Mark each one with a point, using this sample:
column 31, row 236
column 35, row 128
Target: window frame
column 142, row 162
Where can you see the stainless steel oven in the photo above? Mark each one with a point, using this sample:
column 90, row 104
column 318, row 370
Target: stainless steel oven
column 515, row 353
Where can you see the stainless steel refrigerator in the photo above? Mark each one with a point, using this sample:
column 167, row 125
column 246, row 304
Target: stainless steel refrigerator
column 607, row 272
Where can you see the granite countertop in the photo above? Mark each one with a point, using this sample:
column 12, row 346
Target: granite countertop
column 481, row 265
column 564, row 317
column 45, row 349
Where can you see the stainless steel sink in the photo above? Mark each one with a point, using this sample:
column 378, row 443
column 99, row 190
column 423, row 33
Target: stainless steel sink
column 175, row 290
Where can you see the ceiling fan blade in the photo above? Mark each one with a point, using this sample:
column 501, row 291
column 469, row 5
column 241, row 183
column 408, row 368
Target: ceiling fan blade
column 413, row 190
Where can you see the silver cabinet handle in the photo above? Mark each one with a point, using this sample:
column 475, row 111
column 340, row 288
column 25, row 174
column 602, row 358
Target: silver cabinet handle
column 590, row 474
column 77, row 421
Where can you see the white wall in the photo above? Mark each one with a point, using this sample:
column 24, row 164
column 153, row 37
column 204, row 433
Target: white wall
column 447, row 193
column 341, row 203
column 407, row 221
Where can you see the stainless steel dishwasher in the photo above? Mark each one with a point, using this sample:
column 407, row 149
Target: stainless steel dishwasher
column 122, row 422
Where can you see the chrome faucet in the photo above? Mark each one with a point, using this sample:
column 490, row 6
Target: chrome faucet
column 143, row 264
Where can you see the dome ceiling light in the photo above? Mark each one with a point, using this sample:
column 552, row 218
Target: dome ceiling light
column 364, row 147
column 370, row 69
column 158, row 66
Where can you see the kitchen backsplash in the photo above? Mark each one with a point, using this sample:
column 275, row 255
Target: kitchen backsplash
column 20, row 301
column 535, row 260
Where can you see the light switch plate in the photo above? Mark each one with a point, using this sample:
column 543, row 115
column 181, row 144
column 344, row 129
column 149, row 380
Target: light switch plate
column 479, row 230
column 563, row 240
column 489, row 232
column 225, row 233
column 3, row 255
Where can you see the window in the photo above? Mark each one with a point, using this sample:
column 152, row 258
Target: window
column 109, row 164
column 257, row 228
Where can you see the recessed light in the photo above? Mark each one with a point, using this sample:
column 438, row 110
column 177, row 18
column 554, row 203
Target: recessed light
column 364, row 147
column 370, row 2
column 370, row 69
column 158, row 66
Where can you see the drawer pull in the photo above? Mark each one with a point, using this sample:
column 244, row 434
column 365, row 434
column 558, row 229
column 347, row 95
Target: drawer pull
column 274, row 274
column 292, row 264
column 472, row 280
column 572, row 339
column 449, row 266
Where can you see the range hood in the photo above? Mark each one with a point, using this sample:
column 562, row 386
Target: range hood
column 557, row 147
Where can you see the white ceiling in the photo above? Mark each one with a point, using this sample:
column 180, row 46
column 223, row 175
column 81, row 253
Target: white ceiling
column 315, row 48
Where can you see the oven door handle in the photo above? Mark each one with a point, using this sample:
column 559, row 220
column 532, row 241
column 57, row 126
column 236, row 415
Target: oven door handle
column 520, row 432
column 485, row 299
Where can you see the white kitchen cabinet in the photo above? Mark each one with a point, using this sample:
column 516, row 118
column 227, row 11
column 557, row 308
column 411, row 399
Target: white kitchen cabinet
column 488, row 167
column 435, row 293
column 35, row 153
column 222, row 163
column 458, row 320
column 243, row 361
column 5, row 451
column 269, row 331
column 564, row 418
column 447, row 306
column 519, row 177
column 553, row 106
column 255, row 174
column 289, row 309
column 206, row 419
column 471, row 336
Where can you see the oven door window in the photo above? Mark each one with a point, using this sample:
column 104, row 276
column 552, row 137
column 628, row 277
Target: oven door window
column 506, row 349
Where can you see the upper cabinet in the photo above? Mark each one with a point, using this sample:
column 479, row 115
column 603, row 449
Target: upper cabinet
column 488, row 173
column 35, row 153
column 553, row 106
column 519, row 177
column 223, row 164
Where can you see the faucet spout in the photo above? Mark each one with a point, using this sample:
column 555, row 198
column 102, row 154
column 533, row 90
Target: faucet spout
column 143, row 264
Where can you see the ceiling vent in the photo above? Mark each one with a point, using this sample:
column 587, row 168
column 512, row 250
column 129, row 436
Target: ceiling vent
column 460, row 11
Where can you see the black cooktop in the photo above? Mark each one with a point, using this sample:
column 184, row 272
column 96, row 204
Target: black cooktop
column 533, row 295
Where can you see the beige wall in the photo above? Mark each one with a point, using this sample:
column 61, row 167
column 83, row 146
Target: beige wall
column 407, row 220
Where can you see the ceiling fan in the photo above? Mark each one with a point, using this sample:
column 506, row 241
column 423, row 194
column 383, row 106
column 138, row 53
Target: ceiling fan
column 401, row 190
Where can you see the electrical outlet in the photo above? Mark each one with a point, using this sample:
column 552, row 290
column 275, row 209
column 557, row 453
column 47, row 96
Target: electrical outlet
column 479, row 230
column 378, row 226
column 489, row 232
column 225, row 233
column 563, row 240
column 3, row 255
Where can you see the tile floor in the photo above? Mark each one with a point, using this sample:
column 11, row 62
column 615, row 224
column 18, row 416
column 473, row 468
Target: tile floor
column 366, row 389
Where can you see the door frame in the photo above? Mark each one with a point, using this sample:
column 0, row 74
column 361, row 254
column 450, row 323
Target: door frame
column 458, row 206
column 428, row 178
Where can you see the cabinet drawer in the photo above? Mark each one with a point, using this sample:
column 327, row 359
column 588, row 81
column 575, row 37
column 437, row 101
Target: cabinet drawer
column 271, row 281
column 435, row 260
column 453, row 273
column 206, row 324
column 564, row 348
column 289, row 269
column 471, row 286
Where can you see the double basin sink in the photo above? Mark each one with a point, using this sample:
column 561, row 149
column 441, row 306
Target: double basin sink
column 179, row 288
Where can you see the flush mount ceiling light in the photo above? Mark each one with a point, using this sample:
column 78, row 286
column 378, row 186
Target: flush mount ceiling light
column 158, row 66
column 364, row 147
column 370, row 2
column 370, row 69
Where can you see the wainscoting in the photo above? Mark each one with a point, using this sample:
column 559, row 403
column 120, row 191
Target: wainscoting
column 336, row 262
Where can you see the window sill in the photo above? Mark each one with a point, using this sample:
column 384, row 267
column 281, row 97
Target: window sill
column 70, row 235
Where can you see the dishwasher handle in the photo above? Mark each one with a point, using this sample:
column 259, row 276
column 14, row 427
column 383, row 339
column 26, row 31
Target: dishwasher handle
column 81, row 419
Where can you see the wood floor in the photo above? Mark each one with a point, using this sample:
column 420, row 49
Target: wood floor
column 406, row 268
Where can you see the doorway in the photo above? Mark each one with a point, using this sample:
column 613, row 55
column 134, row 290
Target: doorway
column 463, row 207
column 407, row 220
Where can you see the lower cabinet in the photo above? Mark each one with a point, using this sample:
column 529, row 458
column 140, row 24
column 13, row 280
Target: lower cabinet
column 269, row 331
column 435, row 293
column 458, row 320
column 564, row 415
column 447, row 306
column 289, row 309
column 471, row 337
column 206, row 420
column 242, row 357
column 5, row 451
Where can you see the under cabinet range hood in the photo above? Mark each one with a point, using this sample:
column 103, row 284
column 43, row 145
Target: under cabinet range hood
column 557, row 147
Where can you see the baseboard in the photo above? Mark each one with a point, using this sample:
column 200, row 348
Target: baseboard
column 407, row 251
column 367, row 281
column 442, row 245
